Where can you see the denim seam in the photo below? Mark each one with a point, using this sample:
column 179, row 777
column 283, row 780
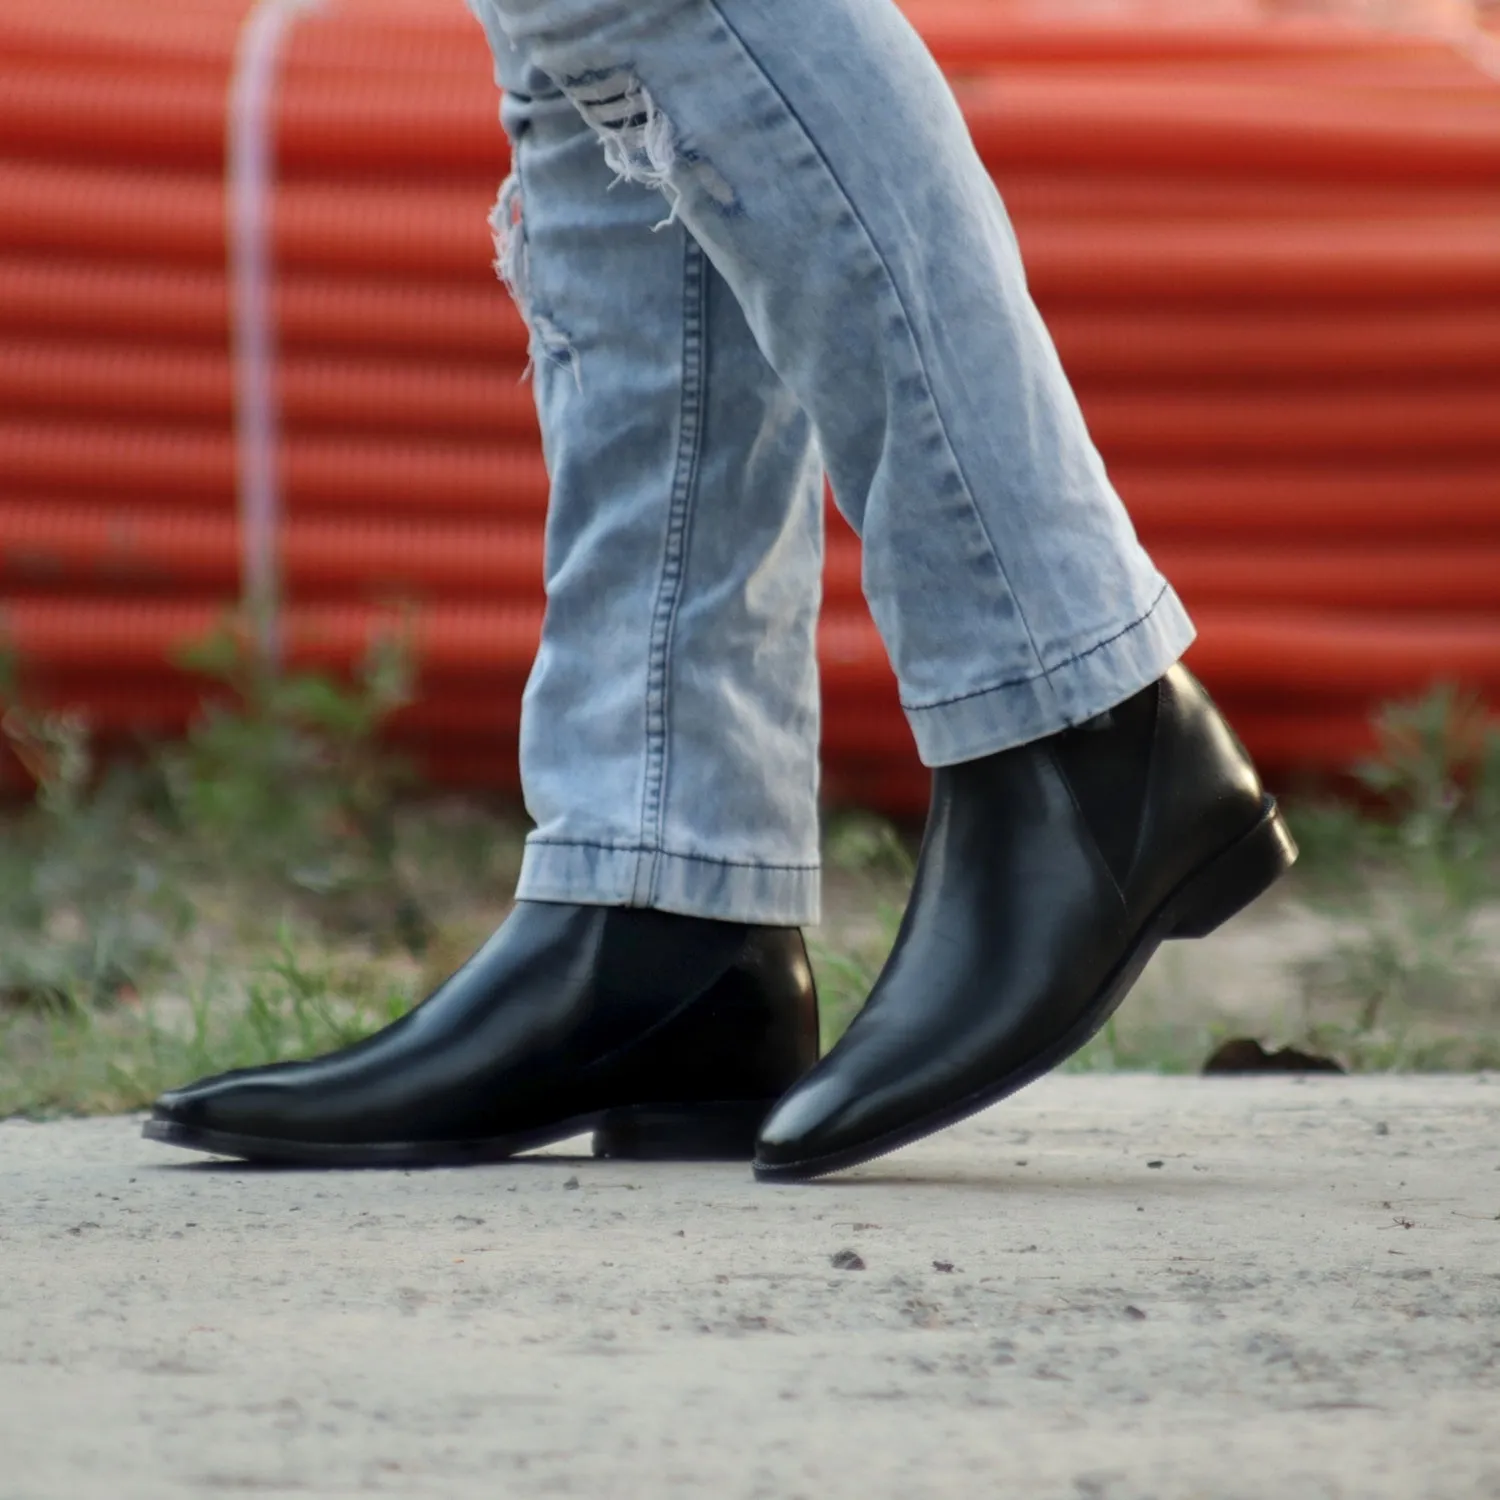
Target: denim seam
column 673, row 570
column 701, row 859
column 911, row 333
column 1072, row 661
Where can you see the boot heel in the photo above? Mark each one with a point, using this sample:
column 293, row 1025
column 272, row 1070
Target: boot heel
column 1229, row 883
column 682, row 1132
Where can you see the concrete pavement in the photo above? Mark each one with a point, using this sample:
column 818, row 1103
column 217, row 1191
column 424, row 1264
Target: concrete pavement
column 1109, row 1288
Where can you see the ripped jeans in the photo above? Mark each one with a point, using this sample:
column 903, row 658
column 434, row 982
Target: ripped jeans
column 753, row 240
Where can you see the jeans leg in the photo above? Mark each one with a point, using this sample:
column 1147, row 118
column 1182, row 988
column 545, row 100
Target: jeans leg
column 819, row 157
column 669, row 729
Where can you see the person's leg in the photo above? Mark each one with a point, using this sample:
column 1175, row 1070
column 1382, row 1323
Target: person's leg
column 822, row 162
column 669, row 735
column 1088, row 801
column 650, row 982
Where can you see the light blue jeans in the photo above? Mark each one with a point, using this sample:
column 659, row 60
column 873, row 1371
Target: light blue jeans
column 786, row 257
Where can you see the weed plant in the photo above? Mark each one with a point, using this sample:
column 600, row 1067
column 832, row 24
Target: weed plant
column 138, row 902
column 1409, row 887
column 287, row 771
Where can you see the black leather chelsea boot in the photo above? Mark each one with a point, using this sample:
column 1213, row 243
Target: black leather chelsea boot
column 666, row 1036
column 1049, row 874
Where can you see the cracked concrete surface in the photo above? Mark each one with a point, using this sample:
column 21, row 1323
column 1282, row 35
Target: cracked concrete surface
column 1108, row 1288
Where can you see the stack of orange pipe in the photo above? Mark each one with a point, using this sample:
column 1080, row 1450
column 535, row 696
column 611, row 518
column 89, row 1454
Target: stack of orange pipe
column 1269, row 250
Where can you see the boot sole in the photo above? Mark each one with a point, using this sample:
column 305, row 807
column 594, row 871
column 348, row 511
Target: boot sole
column 1217, row 890
column 716, row 1131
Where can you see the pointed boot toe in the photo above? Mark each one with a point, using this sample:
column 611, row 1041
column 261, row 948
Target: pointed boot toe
column 817, row 1120
column 191, row 1105
column 175, row 1107
column 231, row 1114
column 665, row 1036
column 1049, row 875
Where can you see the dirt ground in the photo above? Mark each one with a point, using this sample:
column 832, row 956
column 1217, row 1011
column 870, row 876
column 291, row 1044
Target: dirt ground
column 1107, row 1288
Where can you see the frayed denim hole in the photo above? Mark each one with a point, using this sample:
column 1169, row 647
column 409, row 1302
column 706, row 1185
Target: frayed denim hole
column 513, row 267
column 640, row 142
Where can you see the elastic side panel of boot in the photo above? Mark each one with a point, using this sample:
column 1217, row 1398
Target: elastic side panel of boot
column 1107, row 762
column 650, row 957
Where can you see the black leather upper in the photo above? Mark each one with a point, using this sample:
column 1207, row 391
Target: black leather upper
column 1021, row 911
column 567, row 1010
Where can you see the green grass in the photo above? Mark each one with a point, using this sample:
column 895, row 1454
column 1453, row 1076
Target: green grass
column 276, row 885
column 62, row 1058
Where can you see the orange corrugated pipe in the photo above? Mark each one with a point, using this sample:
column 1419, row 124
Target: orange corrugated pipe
column 1443, row 579
column 176, row 385
column 324, row 473
column 963, row 36
column 55, row 461
column 405, row 119
column 1202, row 344
column 65, row 548
column 1453, row 419
column 146, row 303
column 981, row 35
column 1239, row 501
column 1242, row 649
column 120, row 215
column 445, row 320
column 1273, row 221
column 443, row 232
column 1101, row 194
column 153, row 705
column 1209, row 127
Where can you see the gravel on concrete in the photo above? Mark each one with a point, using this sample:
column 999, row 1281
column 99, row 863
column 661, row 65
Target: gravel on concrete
column 1108, row 1288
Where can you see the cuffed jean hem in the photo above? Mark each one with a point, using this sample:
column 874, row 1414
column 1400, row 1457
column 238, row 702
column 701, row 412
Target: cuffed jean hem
column 692, row 885
column 1015, row 713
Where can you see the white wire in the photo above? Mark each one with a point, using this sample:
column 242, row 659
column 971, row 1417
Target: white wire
column 250, row 169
